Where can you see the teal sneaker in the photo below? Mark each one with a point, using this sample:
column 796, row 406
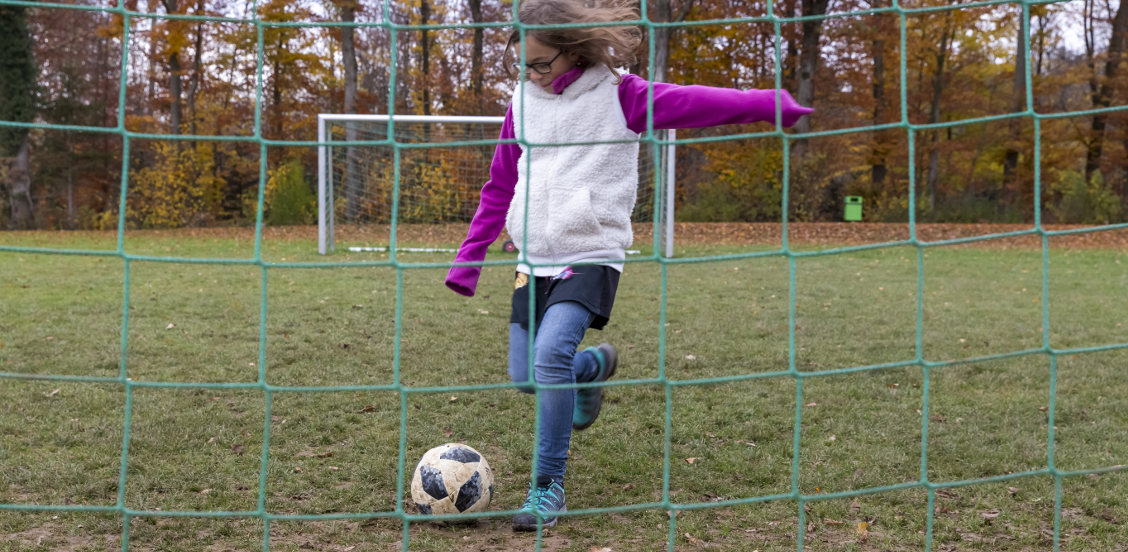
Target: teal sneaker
column 547, row 497
column 589, row 400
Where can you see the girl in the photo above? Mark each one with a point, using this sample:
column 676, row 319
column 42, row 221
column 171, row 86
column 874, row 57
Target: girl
column 579, row 200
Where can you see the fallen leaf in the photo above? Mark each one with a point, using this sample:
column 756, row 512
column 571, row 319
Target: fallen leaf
column 170, row 326
column 325, row 455
column 334, row 468
column 205, row 491
column 690, row 357
column 297, row 469
column 989, row 515
column 368, row 408
column 693, row 540
column 483, row 311
column 811, row 404
column 862, row 530
column 237, row 448
column 452, row 399
column 629, row 486
column 857, row 474
column 1043, row 408
column 604, row 549
column 832, row 437
column 1012, row 490
column 692, row 460
column 854, row 506
column 53, row 393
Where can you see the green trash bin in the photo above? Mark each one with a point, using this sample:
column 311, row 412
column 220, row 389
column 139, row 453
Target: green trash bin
column 853, row 209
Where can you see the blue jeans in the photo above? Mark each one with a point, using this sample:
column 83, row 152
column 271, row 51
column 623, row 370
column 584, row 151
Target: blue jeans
column 555, row 361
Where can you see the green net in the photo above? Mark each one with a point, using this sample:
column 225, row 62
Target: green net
column 650, row 139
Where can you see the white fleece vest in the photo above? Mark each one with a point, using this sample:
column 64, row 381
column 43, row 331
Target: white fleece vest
column 580, row 197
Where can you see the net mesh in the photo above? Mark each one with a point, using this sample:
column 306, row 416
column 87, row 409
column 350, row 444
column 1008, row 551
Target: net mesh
column 652, row 141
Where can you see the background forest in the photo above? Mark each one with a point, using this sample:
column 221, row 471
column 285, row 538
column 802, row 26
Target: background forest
column 193, row 77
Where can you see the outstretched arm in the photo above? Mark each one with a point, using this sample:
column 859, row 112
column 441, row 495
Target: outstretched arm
column 490, row 217
column 698, row 106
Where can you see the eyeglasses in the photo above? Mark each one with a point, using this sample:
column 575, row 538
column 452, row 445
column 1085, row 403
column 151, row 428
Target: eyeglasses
column 542, row 68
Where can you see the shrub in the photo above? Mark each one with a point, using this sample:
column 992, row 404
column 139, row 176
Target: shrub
column 289, row 200
column 1082, row 202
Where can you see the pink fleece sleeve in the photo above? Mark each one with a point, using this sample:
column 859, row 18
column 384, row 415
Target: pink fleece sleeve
column 698, row 106
column 490, row 218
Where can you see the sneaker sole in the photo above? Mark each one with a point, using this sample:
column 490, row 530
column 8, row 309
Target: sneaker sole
column 533, row 526
column 594, row 416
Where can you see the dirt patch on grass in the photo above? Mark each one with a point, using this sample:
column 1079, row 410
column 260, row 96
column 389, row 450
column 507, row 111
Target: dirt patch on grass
column 705, row 233
column 55, row 537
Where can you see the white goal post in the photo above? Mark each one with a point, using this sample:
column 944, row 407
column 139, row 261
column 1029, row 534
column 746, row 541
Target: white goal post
column 360, row 183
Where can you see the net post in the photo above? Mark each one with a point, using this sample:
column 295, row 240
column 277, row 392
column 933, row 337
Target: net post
column 330, row 198
column 321, row 166
column 670, row 164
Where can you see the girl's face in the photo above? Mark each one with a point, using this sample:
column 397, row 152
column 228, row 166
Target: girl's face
column 537, row 52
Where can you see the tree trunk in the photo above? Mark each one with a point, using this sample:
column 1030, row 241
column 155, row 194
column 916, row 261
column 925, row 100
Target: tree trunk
column 174, row 70
column 661, row 42
column 1102, row 94
column 1018, row 102
column 476, row 55
column 352, row 164
column 662, row 35
column 879, row 153
column 194, row 82
column 937, row 92
column 425, row 61
column 792, row 50
column 70, row 196
column 152, row 75
column 23, row 210
column 276, row 92
column 1041, row 42
column 808, row 65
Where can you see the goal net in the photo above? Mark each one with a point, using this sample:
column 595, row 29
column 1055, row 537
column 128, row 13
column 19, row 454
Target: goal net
column 443, row 161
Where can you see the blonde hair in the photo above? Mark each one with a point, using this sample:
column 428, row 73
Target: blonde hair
column 615, row 46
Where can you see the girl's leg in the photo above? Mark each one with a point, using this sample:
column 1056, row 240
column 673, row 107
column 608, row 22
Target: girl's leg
column 584, row 365
column 519, row 356
column 558, row 337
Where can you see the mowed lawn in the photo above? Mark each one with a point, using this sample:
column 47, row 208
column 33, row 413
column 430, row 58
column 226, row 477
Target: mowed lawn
column 199, row 449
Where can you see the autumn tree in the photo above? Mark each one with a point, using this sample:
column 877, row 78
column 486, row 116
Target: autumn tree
column 17, row 103
column 1102, row 89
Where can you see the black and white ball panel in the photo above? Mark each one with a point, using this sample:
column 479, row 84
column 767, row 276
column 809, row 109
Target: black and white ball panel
column 452, row 478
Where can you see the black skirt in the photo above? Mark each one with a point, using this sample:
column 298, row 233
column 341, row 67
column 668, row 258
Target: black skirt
column 592, row 286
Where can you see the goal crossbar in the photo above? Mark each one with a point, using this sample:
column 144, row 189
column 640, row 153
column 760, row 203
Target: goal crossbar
column 665, row 166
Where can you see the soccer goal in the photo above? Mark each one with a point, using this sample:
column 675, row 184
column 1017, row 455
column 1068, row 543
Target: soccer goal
column 443, row 163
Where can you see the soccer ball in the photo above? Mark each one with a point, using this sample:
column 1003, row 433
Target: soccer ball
column 452, row 479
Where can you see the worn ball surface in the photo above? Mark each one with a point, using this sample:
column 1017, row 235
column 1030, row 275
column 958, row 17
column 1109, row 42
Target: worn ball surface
column 452, row 479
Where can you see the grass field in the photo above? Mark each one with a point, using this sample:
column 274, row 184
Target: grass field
column 194, row 449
